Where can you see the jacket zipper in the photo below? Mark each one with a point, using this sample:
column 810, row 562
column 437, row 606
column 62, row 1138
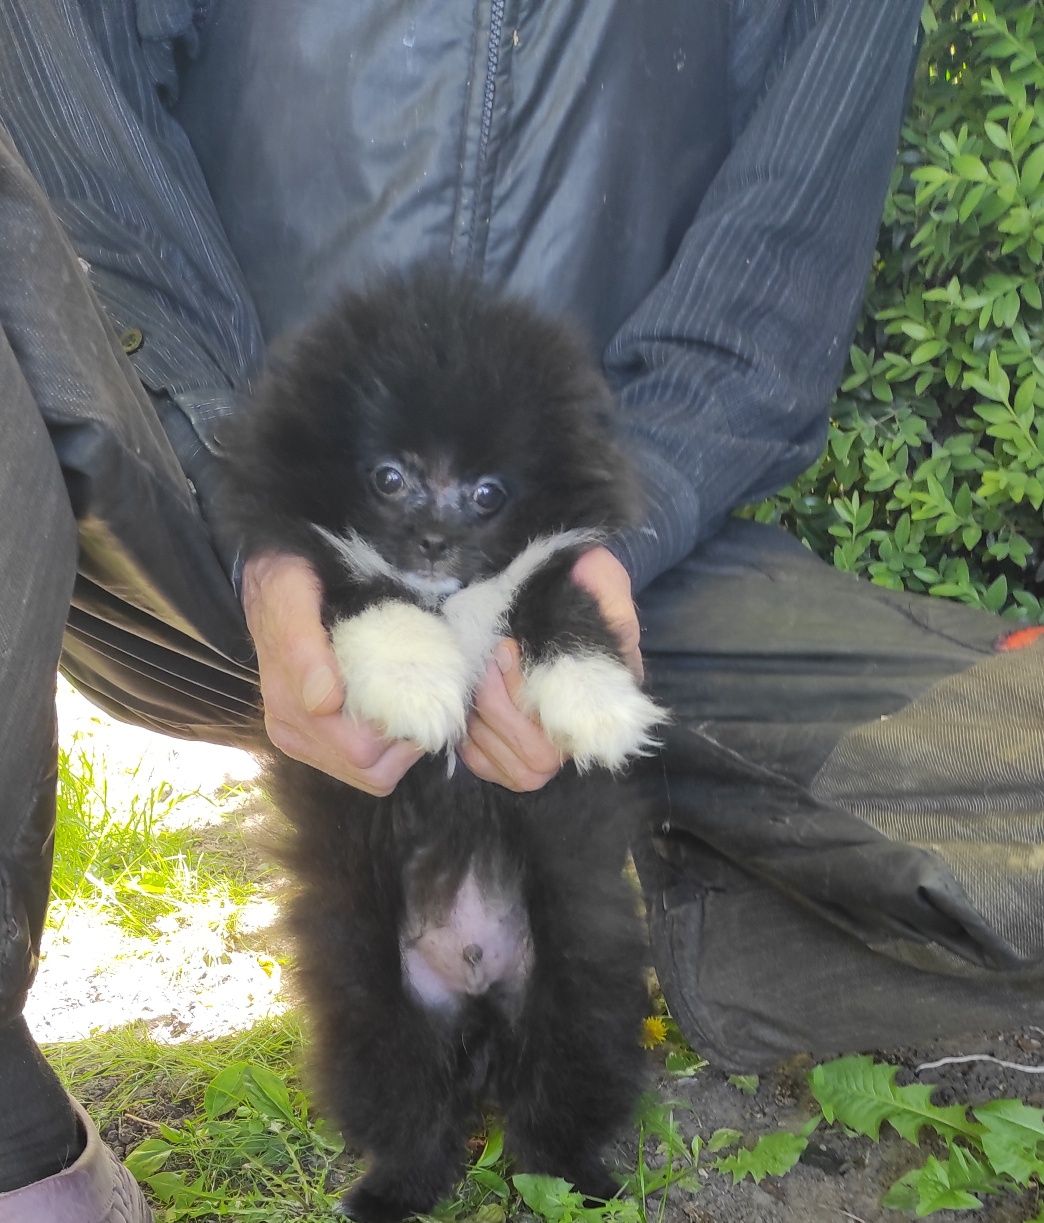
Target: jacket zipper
column 496, row 29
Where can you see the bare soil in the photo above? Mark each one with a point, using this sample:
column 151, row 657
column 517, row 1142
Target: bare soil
column 839, row 1177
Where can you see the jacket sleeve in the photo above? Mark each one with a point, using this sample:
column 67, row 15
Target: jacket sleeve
column 725, row 372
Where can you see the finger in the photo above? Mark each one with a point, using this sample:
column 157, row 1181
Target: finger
column 380, row 776
column 508, row 658
column 477, row 762
column 512, row 771
column 520, row 737
column 607, row 581
column 486, row 757
column 282, row 603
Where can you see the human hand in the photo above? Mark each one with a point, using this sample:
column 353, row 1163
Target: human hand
column 301, row 685
column 505, row 745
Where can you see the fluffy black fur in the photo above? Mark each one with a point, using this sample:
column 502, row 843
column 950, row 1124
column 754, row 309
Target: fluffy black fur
column 453, row 385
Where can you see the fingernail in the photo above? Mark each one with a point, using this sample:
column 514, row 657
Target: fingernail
column 317, row 687
column 503, row 657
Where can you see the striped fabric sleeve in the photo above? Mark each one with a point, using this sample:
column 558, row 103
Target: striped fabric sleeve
column 725, row 372
column 83, row 89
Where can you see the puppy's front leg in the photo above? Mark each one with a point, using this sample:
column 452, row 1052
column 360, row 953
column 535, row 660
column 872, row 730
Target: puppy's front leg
column 576, row 684
column 404, row 672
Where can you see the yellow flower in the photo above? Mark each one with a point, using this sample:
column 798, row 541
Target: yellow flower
column 654, row 1032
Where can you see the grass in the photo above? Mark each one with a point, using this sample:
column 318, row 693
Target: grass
column 226, row 1133
column 124, row 859
column 217, row 1129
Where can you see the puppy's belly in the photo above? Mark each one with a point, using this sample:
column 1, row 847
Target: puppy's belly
column 481, row 940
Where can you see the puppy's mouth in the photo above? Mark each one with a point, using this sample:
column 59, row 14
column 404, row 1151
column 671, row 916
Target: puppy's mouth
column 431, row 582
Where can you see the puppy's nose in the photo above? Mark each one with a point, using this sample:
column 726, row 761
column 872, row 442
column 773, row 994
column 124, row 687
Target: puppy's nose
column 433, row 546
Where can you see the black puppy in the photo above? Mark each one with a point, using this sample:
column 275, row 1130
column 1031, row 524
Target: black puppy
column 442, row 456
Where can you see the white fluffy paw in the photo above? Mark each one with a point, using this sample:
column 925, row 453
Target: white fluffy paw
column 592, row 709
column 404, row 672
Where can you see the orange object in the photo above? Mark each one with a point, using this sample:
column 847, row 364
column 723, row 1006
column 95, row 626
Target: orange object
column 1021, row 638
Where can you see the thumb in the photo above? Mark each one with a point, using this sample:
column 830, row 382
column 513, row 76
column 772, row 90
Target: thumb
column 321, row 691
column 508, row 658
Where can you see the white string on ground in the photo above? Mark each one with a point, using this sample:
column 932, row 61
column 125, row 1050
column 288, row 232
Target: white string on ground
column 980, row 1057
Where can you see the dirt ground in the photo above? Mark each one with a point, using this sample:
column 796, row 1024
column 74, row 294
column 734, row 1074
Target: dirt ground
column 840, row 1178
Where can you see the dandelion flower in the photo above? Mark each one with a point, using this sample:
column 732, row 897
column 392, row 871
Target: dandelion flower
column 654, row 1032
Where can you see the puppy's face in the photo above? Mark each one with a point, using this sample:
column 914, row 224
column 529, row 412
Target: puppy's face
column 441, row 525
column 446, row 426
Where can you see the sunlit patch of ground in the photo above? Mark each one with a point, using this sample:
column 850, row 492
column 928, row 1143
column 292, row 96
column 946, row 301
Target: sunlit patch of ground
column 201, row 965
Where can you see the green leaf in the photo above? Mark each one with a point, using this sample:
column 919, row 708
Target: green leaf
column 841, row 444
column 226, row 1090
column 972, row 199
column 1024, row 396
column 549, row 1197
column 723, row 1138
column 747, row 1083
column 996, row 594
column 489, row 1180
column 268, row 1094
column 880, row 389
column 493, row 1148
column 997, row 135
column 173, row 1188
column 931, row 175
column 969, row 166
column 942, row 1186
column 926, row 351
column 861, row 1094
column 148, row 1158
column 1033, row 170
column 924, row 381
column 998, row 378
column 977, row 382
column 1012, row 1138
column 684, row 1063
column 772, row 1155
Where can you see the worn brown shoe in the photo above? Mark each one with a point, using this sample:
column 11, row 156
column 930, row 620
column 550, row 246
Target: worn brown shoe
column 97, row 1188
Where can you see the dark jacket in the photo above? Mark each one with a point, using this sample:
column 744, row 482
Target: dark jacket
column 698, row 181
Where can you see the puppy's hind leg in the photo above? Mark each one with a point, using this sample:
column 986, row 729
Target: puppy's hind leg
column 402, row 1183
column 409, row 1112
column 384, row 1068
column 576, row 1083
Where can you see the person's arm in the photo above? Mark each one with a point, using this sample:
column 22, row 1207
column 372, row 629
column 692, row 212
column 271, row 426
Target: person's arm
column 725, row 371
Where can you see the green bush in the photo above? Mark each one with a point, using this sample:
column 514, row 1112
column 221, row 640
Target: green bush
column 933, row 475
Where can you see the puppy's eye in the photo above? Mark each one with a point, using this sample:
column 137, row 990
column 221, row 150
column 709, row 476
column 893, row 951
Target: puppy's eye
column 388, row 480
column 488, row 496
